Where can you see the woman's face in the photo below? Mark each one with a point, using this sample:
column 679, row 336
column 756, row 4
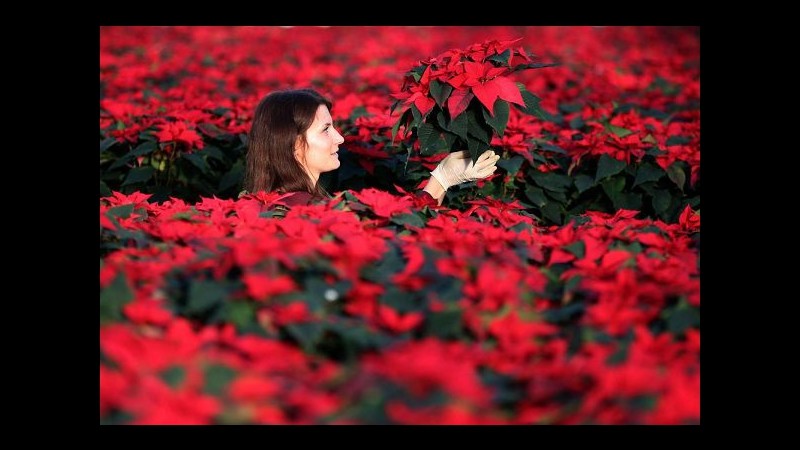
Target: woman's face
column 323, row 140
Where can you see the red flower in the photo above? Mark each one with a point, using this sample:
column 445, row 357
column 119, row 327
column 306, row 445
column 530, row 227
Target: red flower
column 417, row 94
column 512, row 331
column 261, row 287
column 178, row 132
column 689, row 220
column 487, row 84
column 396, row 322
column 383, row 203
column 252, row 388
column 147, row 311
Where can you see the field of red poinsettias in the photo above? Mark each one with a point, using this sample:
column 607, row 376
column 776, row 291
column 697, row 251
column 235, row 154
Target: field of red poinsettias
column 562, row 290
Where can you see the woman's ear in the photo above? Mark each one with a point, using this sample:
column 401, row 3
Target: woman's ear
column 298, row 150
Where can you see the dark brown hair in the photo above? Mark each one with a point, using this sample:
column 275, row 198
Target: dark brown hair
column 280, row 118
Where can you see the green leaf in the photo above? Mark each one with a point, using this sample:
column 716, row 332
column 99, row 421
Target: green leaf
column 105, row 191
column 426, row 133
column 650, row 139
column 573, row 283
column 501, row 58
column 677, row 175
column 306, row 334
column 213, row 151
column 380, row 272
column 196, row 161
column 551, row 181
column 403, row 118
column 678, row 140
column 536, row 65
column 654, row 151
column 552, row 211
column 359, row 336
column 565, row 313
column 220, row 110
column 532, row 105
column 411, row 219
column 121, row 161
column 447, row 289
column 619, row 131
column 144, row 148
column 583, row 182
column 608, row 166
column 633, row 247
column 613, row 188
column 450, row 140
column 648, row 172
column 216, row 379
column 552, row 148
column 316, row 289
column 536, row 196
column 619, row 356
column 440, row 92
column 629, row 200
column 358, row 111
column 239, row 314
column 210, row 129
column 232, row 178
column 577, row 248
column 459, row 126
column 114, row 297
column 576, row 123
column 139, row 175
column 173, row 376
column 204, row 295
column 511, row 165
column 476, row 147
column 568, row 108
column 401, row 301
column 430, row 139
column 477, row 127
column 416, row 116
column 661, row 201
column 560, row 197
column 446, row 324
column 107, row 143
column 441, row 119
column 683, row 318
column 122, row 211
column 659, row 115
column 500, row 119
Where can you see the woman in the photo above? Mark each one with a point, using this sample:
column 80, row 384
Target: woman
column 292, row 141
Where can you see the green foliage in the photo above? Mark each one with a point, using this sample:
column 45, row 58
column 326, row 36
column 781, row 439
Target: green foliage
column 165, row 171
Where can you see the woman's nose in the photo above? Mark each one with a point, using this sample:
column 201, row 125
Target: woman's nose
column 339, row 138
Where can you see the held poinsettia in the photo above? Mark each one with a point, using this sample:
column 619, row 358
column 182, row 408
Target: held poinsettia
column 461, row 98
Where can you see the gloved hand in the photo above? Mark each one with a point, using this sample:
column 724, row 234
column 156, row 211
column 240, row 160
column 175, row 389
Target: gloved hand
column 458, row 168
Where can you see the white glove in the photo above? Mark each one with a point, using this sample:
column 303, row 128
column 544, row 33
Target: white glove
column 458, row 168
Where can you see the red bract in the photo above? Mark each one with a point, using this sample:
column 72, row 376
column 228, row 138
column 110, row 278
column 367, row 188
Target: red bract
column 428, row 365
column 178, row 132
column 487, row 83
column 262, row 287
column 689, row 220
column 511, row 331
column 452, row 414
column 383, row 203
column 396, row 322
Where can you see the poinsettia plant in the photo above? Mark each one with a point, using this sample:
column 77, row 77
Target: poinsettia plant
column 461, row 98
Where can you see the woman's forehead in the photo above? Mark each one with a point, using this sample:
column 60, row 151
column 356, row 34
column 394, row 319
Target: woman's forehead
column 322, row 115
